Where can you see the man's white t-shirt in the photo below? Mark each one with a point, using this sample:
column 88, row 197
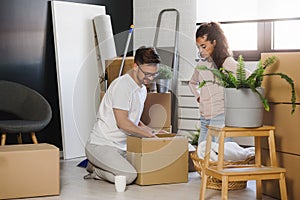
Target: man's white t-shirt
column 125, row 94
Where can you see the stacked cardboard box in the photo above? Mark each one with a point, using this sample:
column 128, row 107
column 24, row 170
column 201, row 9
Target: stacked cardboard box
column 112, row 67
column 159, row 160
column 287, row 135
column 157, row 108
column 291, row 163
column 29, row 170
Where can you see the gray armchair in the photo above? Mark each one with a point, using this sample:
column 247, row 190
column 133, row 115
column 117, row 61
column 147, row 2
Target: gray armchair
column 31, row 111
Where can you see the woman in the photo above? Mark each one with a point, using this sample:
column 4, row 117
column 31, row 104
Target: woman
column 214, row 53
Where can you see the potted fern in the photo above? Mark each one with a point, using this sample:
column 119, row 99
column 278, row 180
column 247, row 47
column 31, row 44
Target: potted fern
column 244, row 99
column 163, row 78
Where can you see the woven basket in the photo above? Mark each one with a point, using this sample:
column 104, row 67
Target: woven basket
column 214, row 183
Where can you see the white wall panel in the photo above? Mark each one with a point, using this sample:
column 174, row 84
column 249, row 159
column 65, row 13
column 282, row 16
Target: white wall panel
column 190, row 113
column 183, row 89
column 184, row 101
column 77, row 72
column 188, row 124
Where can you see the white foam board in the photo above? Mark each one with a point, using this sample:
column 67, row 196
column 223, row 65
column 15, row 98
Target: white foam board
column 77, row 72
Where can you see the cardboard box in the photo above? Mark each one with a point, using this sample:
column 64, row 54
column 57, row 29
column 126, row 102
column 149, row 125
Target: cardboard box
column 29, row 170
column 168, row 129
column 277, row 89
column 291, row 163
column 112, row 67
column 287, row 127
column 159, row 160
column 157, row 110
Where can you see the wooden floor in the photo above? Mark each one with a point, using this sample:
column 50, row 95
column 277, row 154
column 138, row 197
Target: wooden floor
column 74, row 187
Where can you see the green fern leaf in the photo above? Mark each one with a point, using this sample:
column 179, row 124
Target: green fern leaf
column 241, row 73
column 291, row 83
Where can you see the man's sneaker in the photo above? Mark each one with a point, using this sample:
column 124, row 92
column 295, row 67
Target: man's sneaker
column 90, row 176
column 90, row 167
column 94, row 172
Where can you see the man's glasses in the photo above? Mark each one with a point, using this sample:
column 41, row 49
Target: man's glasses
column 147, row 74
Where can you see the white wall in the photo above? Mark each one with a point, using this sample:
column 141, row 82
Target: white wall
column 233, row 10
column 145, row 24
column 144, row 31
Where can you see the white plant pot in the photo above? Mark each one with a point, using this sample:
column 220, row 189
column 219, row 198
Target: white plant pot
column 243, row 107
column 162, row 85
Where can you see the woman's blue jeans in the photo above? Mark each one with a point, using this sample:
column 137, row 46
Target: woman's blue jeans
column 218, row 120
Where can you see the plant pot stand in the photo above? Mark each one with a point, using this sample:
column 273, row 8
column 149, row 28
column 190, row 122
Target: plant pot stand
column 241, row 173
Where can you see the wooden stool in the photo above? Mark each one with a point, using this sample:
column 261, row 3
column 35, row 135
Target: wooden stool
column 242, row 173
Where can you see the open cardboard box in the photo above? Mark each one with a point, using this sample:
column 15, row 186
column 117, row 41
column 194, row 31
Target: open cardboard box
column 159, row 160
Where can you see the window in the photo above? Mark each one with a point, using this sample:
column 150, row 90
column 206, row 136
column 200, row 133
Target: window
column 241, row 36
column 251, row 38
column 255, row 28
column 286, row 35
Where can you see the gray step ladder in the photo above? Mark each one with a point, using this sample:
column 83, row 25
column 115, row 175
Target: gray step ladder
column 170, row 57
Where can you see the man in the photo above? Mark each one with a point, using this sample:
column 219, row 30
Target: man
column 118, row 116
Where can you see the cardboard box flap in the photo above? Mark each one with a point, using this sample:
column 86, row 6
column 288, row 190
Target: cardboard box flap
column 165, row 135
column 276, row 89
column 157, row 110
